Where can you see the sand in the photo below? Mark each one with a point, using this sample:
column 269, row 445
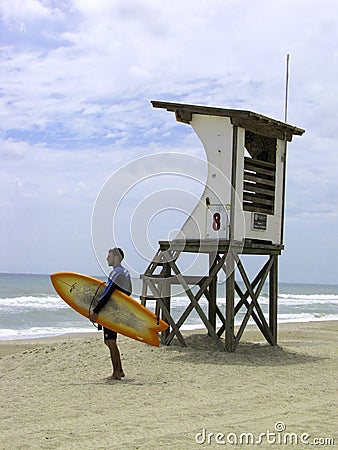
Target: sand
column 53, row 393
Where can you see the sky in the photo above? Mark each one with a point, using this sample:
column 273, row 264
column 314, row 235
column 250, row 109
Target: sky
column 77, row 78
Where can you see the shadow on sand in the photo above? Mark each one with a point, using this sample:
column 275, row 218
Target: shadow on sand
column 201, row 349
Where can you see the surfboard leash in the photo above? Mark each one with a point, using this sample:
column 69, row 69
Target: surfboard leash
column 98, row 327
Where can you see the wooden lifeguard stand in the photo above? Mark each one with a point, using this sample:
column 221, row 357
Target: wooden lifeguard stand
column 241, row 212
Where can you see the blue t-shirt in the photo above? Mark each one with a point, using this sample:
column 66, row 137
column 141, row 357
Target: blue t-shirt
column 119, row 278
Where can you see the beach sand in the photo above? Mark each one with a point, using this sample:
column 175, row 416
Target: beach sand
column 53, row 393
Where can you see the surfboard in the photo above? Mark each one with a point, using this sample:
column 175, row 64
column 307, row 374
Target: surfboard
column 121, row 313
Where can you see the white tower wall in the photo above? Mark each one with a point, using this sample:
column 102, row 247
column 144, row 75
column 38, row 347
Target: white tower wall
column 216, row 136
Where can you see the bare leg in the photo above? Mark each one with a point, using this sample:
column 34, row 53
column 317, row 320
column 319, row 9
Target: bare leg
column 115, row 359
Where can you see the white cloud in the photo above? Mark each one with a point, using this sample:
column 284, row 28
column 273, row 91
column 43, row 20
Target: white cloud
column 77, row 77
column 23, row 11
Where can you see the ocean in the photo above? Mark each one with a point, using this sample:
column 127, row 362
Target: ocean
column 30, row 308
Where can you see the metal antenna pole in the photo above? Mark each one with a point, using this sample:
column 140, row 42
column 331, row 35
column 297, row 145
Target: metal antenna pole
column 285, row 144
column 286, row 88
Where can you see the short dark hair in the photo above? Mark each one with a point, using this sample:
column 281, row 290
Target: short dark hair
column 116, row 251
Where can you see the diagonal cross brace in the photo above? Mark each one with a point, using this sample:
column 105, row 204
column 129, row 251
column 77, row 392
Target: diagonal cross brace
column 261, row 322
column 218, row 311
column 166, row 313
column 201, row 291
column 194, row 298
column 260, row 278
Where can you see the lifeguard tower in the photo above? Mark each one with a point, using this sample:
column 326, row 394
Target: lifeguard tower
column 241, row 212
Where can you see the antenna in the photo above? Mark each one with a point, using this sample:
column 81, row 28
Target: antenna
column 285, row 143
column 286, row 88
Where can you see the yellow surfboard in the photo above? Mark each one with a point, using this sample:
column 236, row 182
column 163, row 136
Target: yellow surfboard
column 121, row 313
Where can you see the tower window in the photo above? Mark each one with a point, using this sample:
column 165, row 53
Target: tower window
column 259, row 173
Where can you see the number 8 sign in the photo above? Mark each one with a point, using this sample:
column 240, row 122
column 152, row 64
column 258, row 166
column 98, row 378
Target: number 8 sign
column 217, row 222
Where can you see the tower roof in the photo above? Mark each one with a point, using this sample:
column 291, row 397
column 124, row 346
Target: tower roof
column 248, row 120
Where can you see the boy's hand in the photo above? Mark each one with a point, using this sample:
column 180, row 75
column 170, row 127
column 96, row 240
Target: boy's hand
column 92, row 317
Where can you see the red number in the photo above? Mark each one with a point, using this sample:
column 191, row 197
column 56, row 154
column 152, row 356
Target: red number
column 216, row 223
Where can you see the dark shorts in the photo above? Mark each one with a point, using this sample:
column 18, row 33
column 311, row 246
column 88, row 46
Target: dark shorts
column 109, row 334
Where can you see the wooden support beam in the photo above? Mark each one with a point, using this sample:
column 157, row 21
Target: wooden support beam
column 166, row 297
column 245, row 302
column 192, row 298
column 254, row 295
column 273, row 298
column 212, row 292
column 189, row 279
column 229, row 304
column 259, row 281
column 144, row 294
column 166, row 313
column 244, row 323
column 160, row 287
column 218, row 311
column 256, row 280
column 221, row 246
column 199, row 294
column 232, row 256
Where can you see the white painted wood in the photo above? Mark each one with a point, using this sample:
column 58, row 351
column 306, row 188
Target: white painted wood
column 216, row 135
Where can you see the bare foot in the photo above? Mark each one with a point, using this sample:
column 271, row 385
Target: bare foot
column 116, row 376
column 112, row 377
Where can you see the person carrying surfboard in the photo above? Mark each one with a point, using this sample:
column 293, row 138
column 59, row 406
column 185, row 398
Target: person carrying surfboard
column 119, row 278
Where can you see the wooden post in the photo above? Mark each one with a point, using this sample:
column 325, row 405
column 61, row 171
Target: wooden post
column 273, row 298
column 144, row 294
column 230, row 260
column 212, row 306
column 229, row 303
column 166, row 295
